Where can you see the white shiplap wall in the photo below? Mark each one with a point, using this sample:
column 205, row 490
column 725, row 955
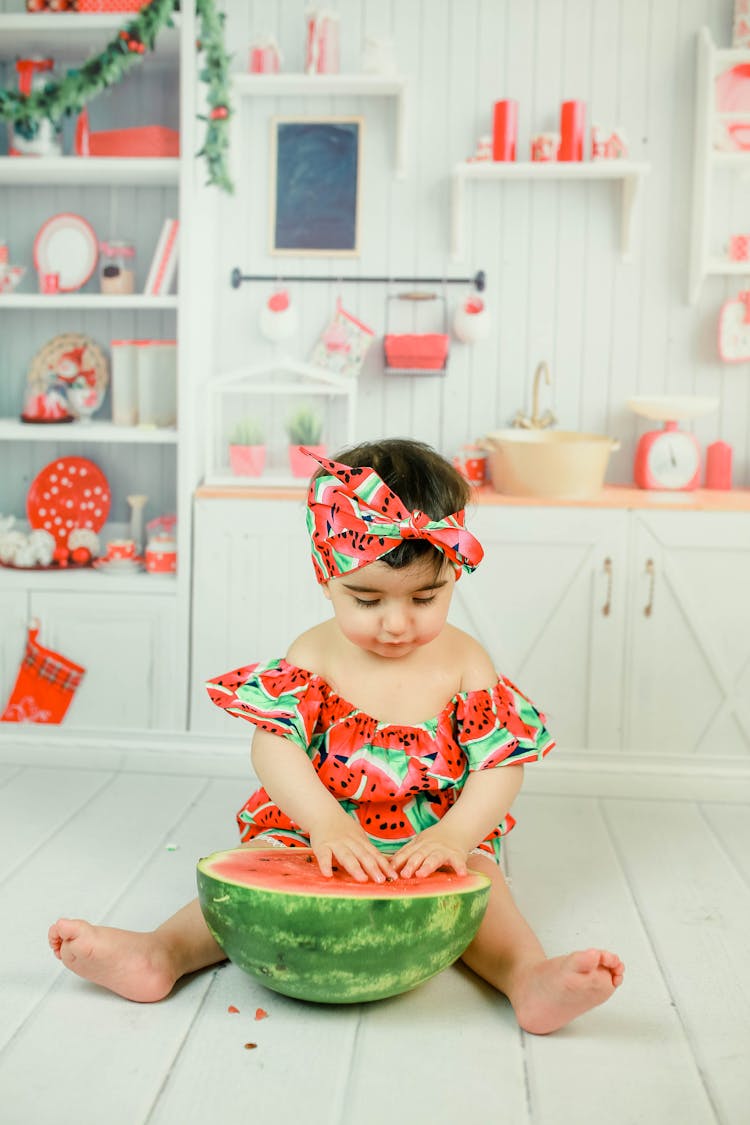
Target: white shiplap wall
column 558, row 289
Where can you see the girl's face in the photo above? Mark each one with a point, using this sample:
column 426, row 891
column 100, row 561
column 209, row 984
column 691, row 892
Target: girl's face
column 392, row 612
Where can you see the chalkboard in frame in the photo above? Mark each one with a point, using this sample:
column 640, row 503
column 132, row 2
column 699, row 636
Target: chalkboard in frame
column 315, row 185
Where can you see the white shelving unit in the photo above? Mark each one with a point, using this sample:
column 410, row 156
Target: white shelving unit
column 12, row 429
column 121, row 623
column 711, row 62
column 630, row 174
column 90, row 171
column 79, row 301
column 70, row 36
column 333, row 85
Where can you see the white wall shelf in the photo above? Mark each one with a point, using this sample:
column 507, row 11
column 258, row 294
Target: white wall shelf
column 52, row 171
column 631, row 175
column 13, row 429
column 711, row 61
column 332, row 85
column 77, row 301
column 43, row 33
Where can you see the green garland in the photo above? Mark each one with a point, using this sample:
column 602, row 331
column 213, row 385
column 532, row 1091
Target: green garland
column 58, row 100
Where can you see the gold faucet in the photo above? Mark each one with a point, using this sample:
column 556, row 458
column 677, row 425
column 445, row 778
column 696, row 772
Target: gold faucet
column 536, row 421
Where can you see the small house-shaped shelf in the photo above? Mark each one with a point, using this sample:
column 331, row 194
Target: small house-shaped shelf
column 267, row 396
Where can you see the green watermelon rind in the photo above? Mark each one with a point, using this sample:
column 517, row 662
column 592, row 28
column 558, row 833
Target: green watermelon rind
column 353, row 950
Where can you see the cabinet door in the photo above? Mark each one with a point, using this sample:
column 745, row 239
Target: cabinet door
column 126, row 642
column 688, row 682
column 547, row 603
column 254, row 591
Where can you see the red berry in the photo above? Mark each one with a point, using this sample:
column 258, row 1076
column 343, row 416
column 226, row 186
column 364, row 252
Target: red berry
column 61, row 556
column 81, row 556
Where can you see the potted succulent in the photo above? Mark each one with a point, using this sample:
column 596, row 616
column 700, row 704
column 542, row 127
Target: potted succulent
column 247, row 451
column 304, row 427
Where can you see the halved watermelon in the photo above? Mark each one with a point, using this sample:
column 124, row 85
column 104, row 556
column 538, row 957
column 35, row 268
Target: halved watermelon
column 335, row 941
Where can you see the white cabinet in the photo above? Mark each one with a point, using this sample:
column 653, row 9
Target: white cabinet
column 125, row 641
column 548, row 604
column 122, row 638
column 688, row 684
column 719, row 171
column 254, row 591
column 630, row 629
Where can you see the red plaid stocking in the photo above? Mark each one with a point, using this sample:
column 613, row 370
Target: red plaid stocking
column 44, row 687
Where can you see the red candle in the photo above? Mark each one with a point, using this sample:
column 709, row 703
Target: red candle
column 504, row 130
column 719, row 465
column 572, row 129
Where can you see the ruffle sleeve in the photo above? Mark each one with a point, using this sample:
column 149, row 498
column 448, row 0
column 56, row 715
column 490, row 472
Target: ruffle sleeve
column 278, row 697
column 499, row 726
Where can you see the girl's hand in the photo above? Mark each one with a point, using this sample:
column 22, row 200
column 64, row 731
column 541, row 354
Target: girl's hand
column 340, row 838
column 432, row 848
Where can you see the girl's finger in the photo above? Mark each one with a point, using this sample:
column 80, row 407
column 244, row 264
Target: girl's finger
column 323, row 856
column 350, row 862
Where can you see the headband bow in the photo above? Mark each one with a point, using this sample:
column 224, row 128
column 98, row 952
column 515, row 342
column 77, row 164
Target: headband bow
column 354, row 519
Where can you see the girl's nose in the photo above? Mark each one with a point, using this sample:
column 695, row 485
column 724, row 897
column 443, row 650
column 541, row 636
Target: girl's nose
column 394, row 620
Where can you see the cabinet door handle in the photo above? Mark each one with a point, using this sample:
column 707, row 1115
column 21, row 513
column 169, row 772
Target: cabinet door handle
column 651, row 573
column 608, row 575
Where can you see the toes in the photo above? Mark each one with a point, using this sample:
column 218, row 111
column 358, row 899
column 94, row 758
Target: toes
column 585, row 961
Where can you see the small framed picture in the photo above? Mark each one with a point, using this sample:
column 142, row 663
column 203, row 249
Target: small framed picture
column 315, row 185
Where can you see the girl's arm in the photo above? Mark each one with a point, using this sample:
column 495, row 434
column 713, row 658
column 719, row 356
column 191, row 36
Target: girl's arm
column 289, row 778
column 485, row 799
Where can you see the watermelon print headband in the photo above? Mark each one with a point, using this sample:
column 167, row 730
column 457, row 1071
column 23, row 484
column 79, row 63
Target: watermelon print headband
column 354, row 518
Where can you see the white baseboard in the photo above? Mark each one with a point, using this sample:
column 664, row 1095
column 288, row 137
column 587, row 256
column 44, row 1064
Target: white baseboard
column 571, row 772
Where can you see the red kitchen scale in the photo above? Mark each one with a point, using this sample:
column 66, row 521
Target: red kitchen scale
column 669, row 459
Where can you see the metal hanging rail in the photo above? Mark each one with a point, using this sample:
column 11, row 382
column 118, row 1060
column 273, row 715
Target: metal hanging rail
column 478, row 280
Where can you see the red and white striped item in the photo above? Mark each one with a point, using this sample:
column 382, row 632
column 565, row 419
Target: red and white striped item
column 164, row 261
column 111, row 5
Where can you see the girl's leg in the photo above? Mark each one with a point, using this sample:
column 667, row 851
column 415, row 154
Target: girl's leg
column 138, row 966
column 546, row 993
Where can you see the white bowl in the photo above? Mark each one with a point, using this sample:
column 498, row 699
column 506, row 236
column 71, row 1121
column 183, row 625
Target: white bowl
column 673, row 408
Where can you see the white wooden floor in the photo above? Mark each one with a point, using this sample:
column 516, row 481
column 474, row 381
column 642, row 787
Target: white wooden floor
column 663, row 882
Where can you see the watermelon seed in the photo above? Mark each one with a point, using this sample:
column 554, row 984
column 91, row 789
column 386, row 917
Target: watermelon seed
column 250, row 1046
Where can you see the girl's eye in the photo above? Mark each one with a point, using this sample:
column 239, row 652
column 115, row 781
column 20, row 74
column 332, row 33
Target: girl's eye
column 363, row 603
column 424, row 601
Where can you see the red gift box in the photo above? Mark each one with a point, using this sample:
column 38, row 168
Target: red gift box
column 111, row 5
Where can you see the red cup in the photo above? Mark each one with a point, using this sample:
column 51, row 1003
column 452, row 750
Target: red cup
column 572, row 130
column 471, row 462
column 504, row 130
column 49, row 282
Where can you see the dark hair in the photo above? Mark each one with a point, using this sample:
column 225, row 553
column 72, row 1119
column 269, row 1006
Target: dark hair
column 423, row 481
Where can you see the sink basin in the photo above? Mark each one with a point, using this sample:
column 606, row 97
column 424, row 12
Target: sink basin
column 558, row 464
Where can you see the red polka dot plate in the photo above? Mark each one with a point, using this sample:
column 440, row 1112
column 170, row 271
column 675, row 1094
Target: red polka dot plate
column 70, row 492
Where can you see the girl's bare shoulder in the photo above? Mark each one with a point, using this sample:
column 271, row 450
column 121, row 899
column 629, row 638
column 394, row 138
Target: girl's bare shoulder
column 476, row 667
column 309, row 649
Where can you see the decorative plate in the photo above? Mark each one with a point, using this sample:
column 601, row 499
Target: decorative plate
column 67, row 245
column 733, row 97
column 68, row 493
column 119, row 566
column 734, row 329
column 56, row 362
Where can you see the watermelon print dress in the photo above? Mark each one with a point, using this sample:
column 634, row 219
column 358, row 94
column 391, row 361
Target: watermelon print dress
column 395, row 780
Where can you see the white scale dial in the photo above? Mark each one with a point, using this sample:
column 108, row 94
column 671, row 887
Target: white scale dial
column 673, row 459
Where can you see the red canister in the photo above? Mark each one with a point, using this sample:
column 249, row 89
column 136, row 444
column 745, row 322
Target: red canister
column 719, row 466
column 572, row 130
column 504, row 130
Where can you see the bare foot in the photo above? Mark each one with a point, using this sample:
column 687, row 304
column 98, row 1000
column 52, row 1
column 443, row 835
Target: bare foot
column 551, row 993
column 134, row 965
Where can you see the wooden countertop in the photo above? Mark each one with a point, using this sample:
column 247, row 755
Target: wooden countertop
column 611, row 496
